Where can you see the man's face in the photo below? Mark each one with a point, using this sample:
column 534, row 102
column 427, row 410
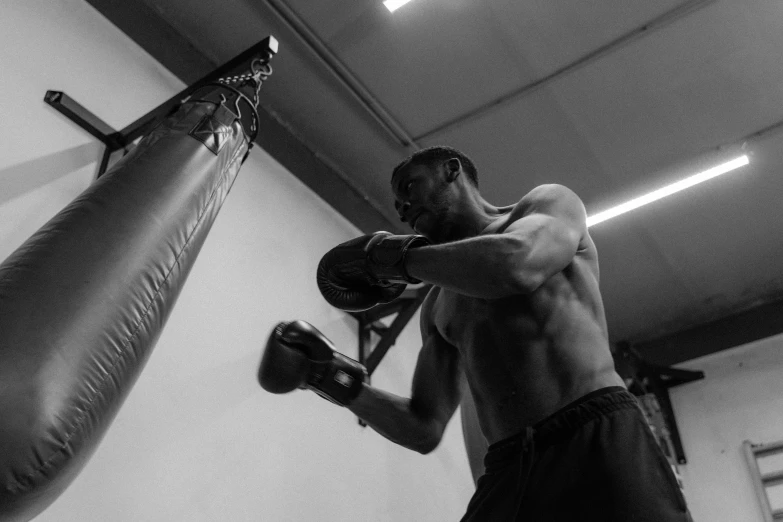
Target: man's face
column 421, row 199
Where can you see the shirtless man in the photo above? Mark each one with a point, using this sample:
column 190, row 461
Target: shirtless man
column 516, row 313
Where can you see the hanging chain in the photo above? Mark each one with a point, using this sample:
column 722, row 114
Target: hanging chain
column 260, row 70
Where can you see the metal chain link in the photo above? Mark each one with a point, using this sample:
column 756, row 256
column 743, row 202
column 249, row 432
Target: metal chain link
column 260, row 70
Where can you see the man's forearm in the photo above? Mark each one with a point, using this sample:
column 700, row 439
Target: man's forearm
column 487, row 267
column 392, row 417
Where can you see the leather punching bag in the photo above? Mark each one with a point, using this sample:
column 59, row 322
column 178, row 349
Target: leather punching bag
column 83, row 301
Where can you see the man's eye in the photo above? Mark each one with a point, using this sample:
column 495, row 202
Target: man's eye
column 408, row 187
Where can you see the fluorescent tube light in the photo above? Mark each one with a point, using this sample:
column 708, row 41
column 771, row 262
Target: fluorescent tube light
column 669, row 190
column 393, row 5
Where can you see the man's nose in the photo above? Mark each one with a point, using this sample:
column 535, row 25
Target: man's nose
column 403, row 209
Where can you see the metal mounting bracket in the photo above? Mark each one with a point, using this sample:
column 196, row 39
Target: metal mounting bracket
column 652, row 378
column 115, row 140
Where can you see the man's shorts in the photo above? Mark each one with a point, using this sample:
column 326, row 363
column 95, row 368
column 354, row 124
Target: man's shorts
column 596, row 459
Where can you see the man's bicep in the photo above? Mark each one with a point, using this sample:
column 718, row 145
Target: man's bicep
column 546, row 238
column 550, row 230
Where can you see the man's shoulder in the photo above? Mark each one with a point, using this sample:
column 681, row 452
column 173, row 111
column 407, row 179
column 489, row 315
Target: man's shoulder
column 548, row 199
column 549, row 192
column 556, row 201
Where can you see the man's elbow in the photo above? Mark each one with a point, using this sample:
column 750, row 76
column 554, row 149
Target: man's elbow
column 516, row 283
column 428, row 443
column 528, row 283
column 521, row 280
column 514, row 276
column 428, row 446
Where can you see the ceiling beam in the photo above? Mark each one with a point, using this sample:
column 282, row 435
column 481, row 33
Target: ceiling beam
column 175, row 52
column 734, row 330
column 156, row 36
column 352, row 85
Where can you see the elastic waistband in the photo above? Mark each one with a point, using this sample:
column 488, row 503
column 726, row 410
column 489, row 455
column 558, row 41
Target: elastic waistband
column 562, row 423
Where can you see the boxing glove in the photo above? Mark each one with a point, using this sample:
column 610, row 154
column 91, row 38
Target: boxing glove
column 297, row 355
column 366, row 271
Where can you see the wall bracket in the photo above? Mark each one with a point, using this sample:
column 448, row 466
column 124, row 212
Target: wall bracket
column 646, row 377
column 115, row 140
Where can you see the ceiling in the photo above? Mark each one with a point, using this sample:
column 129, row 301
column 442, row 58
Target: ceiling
column 611, row 99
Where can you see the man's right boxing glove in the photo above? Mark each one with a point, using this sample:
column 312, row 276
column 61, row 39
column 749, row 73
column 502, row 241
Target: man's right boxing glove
column 297, row 355
column 368, row 270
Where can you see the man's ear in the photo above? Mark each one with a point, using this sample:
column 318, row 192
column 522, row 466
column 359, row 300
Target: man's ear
column 453, row 169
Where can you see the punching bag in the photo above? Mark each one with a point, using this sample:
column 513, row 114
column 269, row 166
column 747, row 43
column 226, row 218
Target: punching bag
column 83, row 301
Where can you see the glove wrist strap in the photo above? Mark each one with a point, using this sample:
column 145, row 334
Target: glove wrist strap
column 339, row 381
column 388, row 257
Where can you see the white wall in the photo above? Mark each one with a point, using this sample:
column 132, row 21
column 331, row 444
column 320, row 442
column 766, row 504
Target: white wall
column 740, row 398
column 198, row 439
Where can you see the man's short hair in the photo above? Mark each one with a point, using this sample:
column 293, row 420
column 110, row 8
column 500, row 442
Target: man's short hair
column 432, row 156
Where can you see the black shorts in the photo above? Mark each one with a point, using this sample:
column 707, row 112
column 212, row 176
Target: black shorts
column 594, row 460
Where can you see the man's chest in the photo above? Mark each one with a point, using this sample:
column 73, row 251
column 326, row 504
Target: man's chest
column 464, row 321
column 457, row 316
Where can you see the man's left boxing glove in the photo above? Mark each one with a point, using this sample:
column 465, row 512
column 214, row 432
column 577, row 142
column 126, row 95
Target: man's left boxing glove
column 366, row 271
column 297, row 355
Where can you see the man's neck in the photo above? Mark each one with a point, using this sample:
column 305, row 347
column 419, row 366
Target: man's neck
column 476, row 217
